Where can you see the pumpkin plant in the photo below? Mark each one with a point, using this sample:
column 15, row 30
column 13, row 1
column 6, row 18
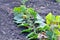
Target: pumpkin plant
column 34, row 23
column 28, row 18
column 54, row 23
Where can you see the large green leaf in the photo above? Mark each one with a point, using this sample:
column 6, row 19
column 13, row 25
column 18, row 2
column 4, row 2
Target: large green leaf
column 50, row 18
column 16, row 10
column 23, row 8
column 20, row 9
column 49, row 34
column 43, row 28
column 18, row 18
column 32, row 12
column 40, row 20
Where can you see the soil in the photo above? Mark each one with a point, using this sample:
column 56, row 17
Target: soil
column 8, row 29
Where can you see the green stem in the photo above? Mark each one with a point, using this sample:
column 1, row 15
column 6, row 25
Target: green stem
column 34, row 29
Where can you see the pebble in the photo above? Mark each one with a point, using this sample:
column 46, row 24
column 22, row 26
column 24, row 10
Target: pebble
column 3, row 32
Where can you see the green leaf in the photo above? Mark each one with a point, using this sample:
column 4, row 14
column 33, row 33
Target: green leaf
column 16, row 10
column 32, row 35
column 25, row 24
column 46, row 28
column 54, row 37
column 23, row 8
column 32, row 12
column 57, row 32
column 58, row 18
column 39, row 20
column 20, row 9
column 50, row 18
column 26, row 30
column 18, row 18
column 49, row 34
column 40, row 29
column 59, row 26
column 48, row 22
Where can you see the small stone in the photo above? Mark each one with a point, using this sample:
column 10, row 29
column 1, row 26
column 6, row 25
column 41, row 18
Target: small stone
column 42, row 7
column 3, row 32
column 12, row 34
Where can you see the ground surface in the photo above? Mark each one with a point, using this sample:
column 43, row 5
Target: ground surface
column 8, row 30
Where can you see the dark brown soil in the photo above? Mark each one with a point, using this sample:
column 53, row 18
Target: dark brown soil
column 9, row 30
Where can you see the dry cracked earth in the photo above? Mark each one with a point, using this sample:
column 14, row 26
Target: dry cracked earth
column 9, row 30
